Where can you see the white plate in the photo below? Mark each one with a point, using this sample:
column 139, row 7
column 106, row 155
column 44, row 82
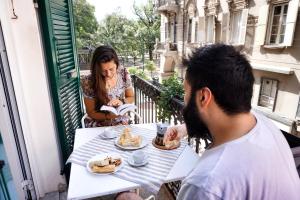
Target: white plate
column 102, row 156
column 132, row 163
column 143, row 144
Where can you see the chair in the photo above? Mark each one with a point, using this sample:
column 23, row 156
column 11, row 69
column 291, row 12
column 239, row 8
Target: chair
column 296, row 154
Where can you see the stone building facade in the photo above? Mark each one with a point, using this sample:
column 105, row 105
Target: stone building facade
column 267, row 31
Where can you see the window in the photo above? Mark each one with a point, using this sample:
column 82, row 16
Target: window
column 166, row 30
column 268, row 93
column 278, row 24
column 210, row 29
column 238, row 25
column 235, row 27
column 196, row 32
column 190, row 31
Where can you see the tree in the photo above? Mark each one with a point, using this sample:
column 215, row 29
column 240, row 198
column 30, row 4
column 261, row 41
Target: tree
column 86, row 24
column 148, row 25
column 119, row 32
column 150, row 66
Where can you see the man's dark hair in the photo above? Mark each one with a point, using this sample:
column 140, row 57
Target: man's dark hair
column 226, row 72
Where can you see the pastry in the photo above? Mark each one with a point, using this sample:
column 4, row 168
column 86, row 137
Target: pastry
column 100, row 163
column 104, row 169
column 115, row 160
column 171, row 144
column 127, row 139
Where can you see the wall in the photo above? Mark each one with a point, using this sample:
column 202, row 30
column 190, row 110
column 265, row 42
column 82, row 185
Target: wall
column 289, row 87
column 28, row 68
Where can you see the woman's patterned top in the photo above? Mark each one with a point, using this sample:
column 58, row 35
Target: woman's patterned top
column 117, row 92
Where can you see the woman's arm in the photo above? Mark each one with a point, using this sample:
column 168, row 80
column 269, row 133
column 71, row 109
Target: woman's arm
column 90, row 106
column 129, row 95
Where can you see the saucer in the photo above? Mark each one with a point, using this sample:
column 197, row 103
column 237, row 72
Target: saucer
column 132, row 163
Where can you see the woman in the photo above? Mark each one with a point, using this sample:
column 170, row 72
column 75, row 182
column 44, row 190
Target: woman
column 109, row 84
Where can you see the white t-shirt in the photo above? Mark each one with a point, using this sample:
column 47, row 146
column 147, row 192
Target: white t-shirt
column 258, row 165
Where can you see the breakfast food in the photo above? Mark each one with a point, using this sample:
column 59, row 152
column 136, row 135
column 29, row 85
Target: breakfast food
column 105, row 165
column 103, row 169
column 171, row 144
column 128, row 140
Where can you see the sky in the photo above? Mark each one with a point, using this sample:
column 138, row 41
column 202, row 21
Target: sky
column 105, row 7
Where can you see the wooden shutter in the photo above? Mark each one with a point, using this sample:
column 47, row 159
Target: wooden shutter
column 261, row 29
column 214, row 29
column 60, row 50
column 243, row 27
column 201, row 35
column 162, row 29
column 225, row 27
column 291, row 22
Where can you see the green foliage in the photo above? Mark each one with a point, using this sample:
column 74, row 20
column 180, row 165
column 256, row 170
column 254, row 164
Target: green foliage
column 119, row 32
column 138, row 72
column 148, row 26
column 132, row 70
column 86, row 24
column 171, row 87
column 150, row 66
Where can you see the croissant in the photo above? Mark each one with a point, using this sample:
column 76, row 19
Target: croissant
column 104, row 169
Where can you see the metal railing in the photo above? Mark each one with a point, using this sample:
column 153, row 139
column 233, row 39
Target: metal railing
column 146, row 97
column 84, row 58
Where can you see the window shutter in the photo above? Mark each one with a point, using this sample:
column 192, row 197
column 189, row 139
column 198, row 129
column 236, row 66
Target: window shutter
column 214, row 29
column 162, row 30
column 243, row 27
column 261, row 28
column 193, row 30
column 291, row 22
column 201, row 36
column 60, row 51
column 225, row 27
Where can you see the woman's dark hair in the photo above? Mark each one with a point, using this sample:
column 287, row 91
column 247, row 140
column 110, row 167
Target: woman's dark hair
column 226, row 72
column 102, row 54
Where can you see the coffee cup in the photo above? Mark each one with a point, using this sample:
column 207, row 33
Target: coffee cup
column 109, row 133
column 138, row 157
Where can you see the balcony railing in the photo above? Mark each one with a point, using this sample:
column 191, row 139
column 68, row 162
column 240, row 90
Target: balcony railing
column 84, row 58
column 161, row 47
column 146, row 97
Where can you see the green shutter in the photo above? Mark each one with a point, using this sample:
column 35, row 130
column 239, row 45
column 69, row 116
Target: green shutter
column 59, row 44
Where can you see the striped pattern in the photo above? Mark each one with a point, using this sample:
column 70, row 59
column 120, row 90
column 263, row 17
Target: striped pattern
column 150, row 176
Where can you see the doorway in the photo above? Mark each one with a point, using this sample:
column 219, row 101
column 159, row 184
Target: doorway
column 15, row 175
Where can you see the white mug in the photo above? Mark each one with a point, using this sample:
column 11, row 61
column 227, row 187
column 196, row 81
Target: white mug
column 109, row 133
column 138, row 157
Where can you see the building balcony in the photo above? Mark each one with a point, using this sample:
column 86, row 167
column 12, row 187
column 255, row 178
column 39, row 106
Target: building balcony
column 167, row 6
column 165, row 48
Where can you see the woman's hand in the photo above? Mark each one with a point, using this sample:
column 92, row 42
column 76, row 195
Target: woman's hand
column 115, row 103
column 175, row 133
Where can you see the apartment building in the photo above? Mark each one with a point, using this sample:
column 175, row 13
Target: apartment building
column 267, row 31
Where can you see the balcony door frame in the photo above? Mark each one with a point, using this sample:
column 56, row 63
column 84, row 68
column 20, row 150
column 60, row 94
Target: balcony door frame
column 11, row 130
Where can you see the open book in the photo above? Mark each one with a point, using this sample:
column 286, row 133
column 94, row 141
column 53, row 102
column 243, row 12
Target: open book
column 121, row 110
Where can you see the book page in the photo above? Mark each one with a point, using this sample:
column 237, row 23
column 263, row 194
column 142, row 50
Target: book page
column 125, row 108
column 110, row 109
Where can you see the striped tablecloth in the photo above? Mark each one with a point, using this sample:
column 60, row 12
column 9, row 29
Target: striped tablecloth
column 150, row 176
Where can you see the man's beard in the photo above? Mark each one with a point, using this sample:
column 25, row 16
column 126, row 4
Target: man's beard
column 194, row 124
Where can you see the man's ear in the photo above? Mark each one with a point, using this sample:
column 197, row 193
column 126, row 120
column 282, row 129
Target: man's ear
column 203, row 97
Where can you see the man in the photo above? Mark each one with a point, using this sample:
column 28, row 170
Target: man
column 248, row 158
